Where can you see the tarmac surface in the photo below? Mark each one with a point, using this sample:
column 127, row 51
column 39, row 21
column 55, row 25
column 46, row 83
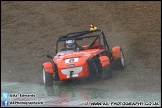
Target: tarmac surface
column 29, row 30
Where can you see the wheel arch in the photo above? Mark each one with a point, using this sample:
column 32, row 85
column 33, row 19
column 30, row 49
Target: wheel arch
column 116, row 52
column 48, row 67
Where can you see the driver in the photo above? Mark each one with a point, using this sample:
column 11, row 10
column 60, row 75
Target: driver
column 72, row 45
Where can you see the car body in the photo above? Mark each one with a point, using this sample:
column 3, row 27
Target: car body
column 94, row 60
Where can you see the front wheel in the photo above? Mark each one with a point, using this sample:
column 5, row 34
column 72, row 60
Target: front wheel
column 107, row 73
column 47, row 78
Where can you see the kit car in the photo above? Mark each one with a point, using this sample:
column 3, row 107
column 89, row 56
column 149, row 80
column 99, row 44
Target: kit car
column 94, row 60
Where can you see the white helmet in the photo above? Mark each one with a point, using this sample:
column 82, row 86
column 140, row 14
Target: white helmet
column 70, row 44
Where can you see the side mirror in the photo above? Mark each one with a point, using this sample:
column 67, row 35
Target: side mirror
column 48, row 56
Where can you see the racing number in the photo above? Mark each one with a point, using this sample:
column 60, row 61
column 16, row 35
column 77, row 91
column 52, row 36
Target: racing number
column 71, row 60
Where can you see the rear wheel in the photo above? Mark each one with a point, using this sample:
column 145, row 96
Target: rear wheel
column 120, row 61
column 47, row 78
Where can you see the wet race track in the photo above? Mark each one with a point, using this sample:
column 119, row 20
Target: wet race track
column 78, row 95
column 29, row 31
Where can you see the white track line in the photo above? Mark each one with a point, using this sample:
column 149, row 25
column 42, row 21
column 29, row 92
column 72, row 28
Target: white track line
column 8, row 84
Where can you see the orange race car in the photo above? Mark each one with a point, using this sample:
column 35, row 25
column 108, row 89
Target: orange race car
column 80, row 55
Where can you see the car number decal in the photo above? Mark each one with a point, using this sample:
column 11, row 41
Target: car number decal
column 71, row 60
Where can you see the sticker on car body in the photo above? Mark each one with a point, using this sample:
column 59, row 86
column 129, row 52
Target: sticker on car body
column 71, row 60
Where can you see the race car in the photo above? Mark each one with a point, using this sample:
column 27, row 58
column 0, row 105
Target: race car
column 93, row 59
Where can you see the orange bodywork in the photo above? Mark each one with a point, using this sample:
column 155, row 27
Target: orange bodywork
column 104, row 61
column 48, row 66
column 115, row 52
column 72, row 64
column 96, row 44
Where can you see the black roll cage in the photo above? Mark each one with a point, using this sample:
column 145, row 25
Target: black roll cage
column 81, row 35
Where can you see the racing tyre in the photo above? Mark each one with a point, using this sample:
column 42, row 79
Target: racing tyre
column 120, row 61
column 47, row 78
column 95, row 69
column 56, row 76
column 107, row 73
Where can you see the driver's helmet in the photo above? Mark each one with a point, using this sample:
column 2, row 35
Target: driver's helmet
column 70, row 44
